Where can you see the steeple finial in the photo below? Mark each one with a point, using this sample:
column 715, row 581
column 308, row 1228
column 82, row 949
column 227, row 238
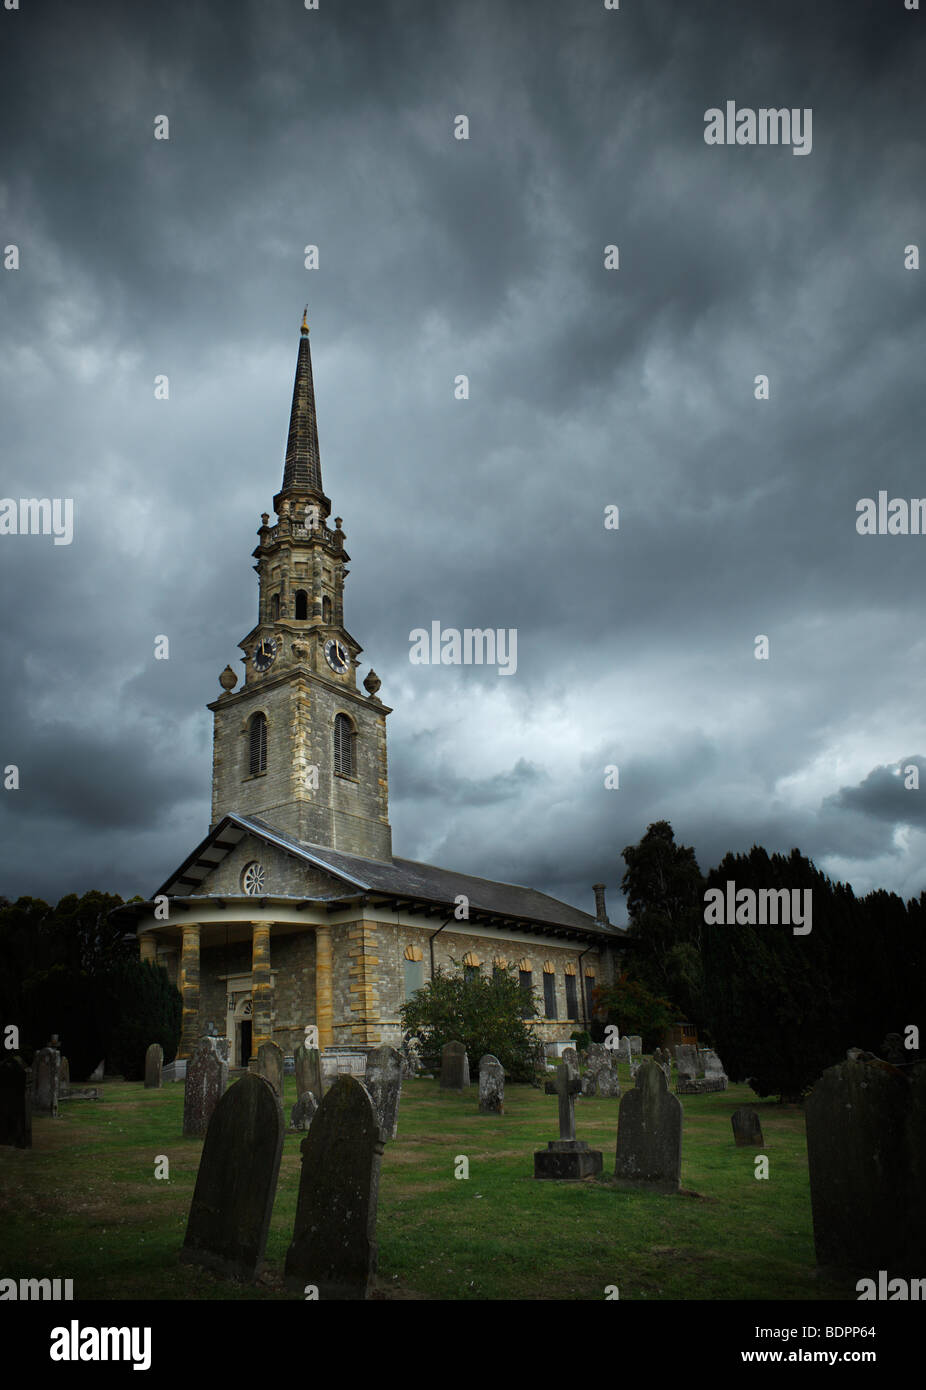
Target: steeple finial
column 305, row 321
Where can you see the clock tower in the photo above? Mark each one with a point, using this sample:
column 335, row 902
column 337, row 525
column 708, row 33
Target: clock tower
column 298, row 744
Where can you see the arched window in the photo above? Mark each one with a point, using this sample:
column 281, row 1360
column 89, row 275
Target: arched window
column 258, row 745
column 526, row 982
column 326, row 609
column 471, row 964
column 343, row 746
column 274, row 608
column 302, row 603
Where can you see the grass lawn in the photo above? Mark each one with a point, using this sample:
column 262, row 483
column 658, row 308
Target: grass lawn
column 84, row 1204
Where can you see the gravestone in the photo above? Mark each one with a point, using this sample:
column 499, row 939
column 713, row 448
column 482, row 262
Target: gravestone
column 598, row 1056
column 205, row 1082
column 303, row 1112
column 411, row 1057
column 466, row 1080
column 64, row 1078
column 861, row 1161
column 174, row 1071
column 15, row 1104
column 97, row 1073
column 567, row 1157
column 589, row 1083
column 713, row 1067
column 45, row 1076
column 236, row 1182
column 747, row 1128
column 154, row 1060
column 609, row 1084
column 686, row 1060
column 623, row 1049
column 491, row 1086
column 334, row 1236
column 383, row 1081
column 270, row 1065
column 308, row 1066
column 649, row 1134
column 663, row 1058
column 636, row 1045
column 454, row 1067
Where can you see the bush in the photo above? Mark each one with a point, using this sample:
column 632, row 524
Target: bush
column 483, row 1013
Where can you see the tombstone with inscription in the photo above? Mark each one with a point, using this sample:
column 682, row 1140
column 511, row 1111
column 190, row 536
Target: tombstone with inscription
column 15, row 1107
column 154, row 1060
column 308, row 1067
column 45, row 1077
column 567, row 1157
column 204, row 1084
column 747, row 1128
column 303, row 1112
column 383, row 1081
column 491, row 1085
column 270, row 1065
column 334, row 1235
column 649, row 1134
column 454, row 1067
column 237, row 1179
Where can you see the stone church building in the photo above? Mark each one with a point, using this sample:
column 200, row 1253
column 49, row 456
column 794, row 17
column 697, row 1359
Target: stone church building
column 294, row 910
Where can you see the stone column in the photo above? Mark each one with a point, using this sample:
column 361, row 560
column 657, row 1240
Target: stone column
column 148, row 948
column 260, row 985
column 189, row 988
column 324, row 990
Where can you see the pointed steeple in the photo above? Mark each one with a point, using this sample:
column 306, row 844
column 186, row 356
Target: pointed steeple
column 302, row 471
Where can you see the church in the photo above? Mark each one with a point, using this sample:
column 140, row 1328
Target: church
column 294, row 911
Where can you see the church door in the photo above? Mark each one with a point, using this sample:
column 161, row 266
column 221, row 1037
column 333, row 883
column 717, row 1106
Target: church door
column 244, row 1042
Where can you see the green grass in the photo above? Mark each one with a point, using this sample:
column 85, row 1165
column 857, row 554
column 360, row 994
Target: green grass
column 84, row 1204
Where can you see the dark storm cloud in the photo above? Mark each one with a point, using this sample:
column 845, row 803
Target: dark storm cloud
column 884, row 794
column 483, row 257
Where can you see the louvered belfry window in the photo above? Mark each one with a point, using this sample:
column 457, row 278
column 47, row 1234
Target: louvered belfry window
column 343, row 746
column 258, row 748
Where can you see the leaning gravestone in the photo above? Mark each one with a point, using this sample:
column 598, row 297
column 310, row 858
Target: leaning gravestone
column 303, row 1112
column 45, row 1077
column 859, row 1154
column 383, row 1081
column 567, row 1156
column 308, row 1067
column 205, row 1082
column 649, row 1135
column 454, row 1067
column 334, row 1236
column 15, row 1106
column 747, row 1128
column 236, row 1182
column 154, row 1060
column 270, row 1065
column 491, row 1086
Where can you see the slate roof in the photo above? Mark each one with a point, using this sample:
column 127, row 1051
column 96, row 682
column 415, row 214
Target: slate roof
column 394, row 879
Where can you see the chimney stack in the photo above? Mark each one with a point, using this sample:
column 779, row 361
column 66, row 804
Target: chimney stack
column 601, row 911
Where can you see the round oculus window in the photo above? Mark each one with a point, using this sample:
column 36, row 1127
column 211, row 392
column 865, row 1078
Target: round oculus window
column 252, row 879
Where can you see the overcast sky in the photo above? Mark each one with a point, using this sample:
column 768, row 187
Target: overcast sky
column 588, row 387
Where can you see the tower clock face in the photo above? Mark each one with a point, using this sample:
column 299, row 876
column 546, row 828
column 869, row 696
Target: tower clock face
column 337, row 655
column 264, row 654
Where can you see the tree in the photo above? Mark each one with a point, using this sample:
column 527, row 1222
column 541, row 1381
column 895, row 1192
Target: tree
column 664, row 891
column 483, row 1013
column 143, row 1008
column 635, row 1009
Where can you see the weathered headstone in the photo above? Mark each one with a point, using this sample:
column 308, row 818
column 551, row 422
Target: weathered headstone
column 411, row 1057
column 154, row 1060
column 236, row 1182
column 97, row 1073
column 686, row 1060
column 466, row 1079
column 308, row 1071
column 383, row 1081
column 567, row 1157
column 713, row 1067
column 598, row 1056
column 45, row 1077
column 15, row 1106
column 303, row 1112
column 334, row 1236
column 861, row 1161
column 649, row 1134
column 609, row 1084
column 623, row 1049
column 589, row 1083
column 491, row 1085
column 205, row 1082
column 270, row 1065
column 454, row 1067
column 636, row 1045
column 747, row 1127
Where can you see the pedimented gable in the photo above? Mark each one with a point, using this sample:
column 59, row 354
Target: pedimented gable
column 283, row 874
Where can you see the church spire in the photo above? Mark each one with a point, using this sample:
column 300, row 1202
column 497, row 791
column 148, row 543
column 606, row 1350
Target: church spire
column 302, row 471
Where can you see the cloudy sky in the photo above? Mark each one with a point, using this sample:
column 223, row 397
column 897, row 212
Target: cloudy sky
column 589, row 387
